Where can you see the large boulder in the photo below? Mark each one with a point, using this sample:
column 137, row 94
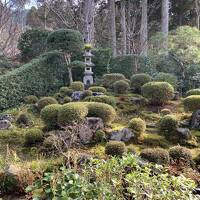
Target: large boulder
column 77, row 95
column 195, row 121
column 123, row 135
column 95, row 123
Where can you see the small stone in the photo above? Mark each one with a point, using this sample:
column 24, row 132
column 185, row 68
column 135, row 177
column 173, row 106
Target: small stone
column 95, row 123
column 97, row 93
column 176, row 96
column 6, row 117
column 184, row 133
column 195, row 121
column 138, row 100
column 122, row 135
column 5, row 124
column 151, row 125
column 185, row 123
column 77, row 95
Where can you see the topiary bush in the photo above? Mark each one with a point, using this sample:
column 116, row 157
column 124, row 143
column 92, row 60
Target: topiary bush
column 155, row 155
column 138, row 126
column 77, row 86
column 103, row 99
column 33, row 136
column 158, row 93
column 167, row 126
column 138, row 80
column 45, row 101
column 166, row 77
column 86, row 93
column 67, row 100
column 72, row 112
column 99, row 136
column 32, row 43
column 115, row 148
column 104, row 111
column 121, row 87
column 49, row 115
column 165, row 111
column 192, row 103
column 40, row 77
column 193, row 92
column 109, row 79
column 179, row 153
column 24, row 119
column 31, row 99
column 65, row 91
column 98, row 89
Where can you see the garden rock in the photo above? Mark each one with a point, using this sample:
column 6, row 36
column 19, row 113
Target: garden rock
column 85, row 134
column 176, row 96
column 77, row 95
column 184, row 133
column 97, row 93
column 138, row 100
column 5, row 124
column 185, row 123
column 195, row 121
column 6, row 117
column 95, row 123
column 123, row 135
column 151, row 125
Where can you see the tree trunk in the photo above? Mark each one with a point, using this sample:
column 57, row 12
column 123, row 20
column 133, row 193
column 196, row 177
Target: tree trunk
column 144, row 29
column 89, row 9
column 165, row 23
column 197, row 9
column 68, row 61
column 113, row 26
column 123, row 26
column 128, row 27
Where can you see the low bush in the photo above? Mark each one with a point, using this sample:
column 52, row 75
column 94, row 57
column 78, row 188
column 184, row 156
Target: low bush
column 192, row 103
column 98, row 89
column 77, row 86
column 138, row 126
column 115, row 148
column 103, row 99
column 179, row 153
column 193, row 92
column 45, row 101
column 72, row 112
column 67, row 100
column 166, row 77
column 155, row 155
column 58, row 97
column 121, row 87
column 138, row 80
column 131, row 149
column 165, row 111
column 49, row 115
column 109, row 79
column 24, row 119
column 31, row 99
column 167, row 126
column 33, row 136
column 50, row 142
column 65, row 91
column 104, row 111
column 158, row 93
column 99, row 136
column 86, row 93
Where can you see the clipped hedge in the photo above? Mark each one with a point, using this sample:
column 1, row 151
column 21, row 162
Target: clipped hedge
column 121, row 87
column 77, row 86
column 192, row 103
column 103, row 99
column 115, row 148
column 40, row 77
column 45, row 101
column 98, row 89
column 158, row 93
column 167, row 77
column 193, row 92
column 109, row 79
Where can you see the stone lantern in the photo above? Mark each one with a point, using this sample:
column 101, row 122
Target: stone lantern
column 88, row 73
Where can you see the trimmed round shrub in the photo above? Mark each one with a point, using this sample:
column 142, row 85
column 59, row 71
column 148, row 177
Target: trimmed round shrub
column 86, row 93
column 158, row 93
column 121, row 87
column 167, row 126
column 45, row 101
column 115, row 148
column 65, row 91
column 77, row 86
column 98, row 89
column 31, row 99
column 138, row 126
column 165, row 111
column 179, row 153
column 103, row 99
column 104, row 111
column 33, row 136
column 130, row 149
column 58, row 97
column 138, row 80
column 72, row 112
column 67, row 100
column 166, row 77
column 155, row 155
column 109, row 79
column 49, row 115
column 99, row 136
column 193, row 92
column 192, row 103
column 24, row 119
